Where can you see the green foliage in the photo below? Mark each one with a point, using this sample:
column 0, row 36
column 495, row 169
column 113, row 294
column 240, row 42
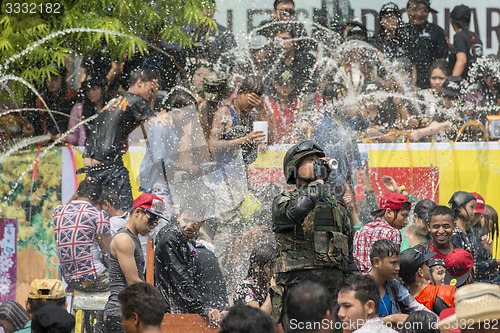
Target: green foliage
column 130, row 20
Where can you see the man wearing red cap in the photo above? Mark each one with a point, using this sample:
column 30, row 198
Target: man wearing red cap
column 459, row 268
column 390, row 219
column 126, row 260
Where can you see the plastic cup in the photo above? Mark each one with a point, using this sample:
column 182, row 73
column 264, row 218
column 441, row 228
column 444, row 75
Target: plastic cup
column 261, row 126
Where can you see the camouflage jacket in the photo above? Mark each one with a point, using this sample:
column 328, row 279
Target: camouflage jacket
column 312, row 230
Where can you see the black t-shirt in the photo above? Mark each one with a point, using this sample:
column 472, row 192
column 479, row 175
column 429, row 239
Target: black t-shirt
column 424, row 45
column 113, row 126
column 209, row 280
column 390, row 48
column 462, row 42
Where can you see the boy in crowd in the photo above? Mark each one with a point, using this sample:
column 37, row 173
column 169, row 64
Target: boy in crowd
column 13, row 316
column 423, row 40
column 142, row 308
column 43, row 292
column 464, row 208
column 81, row 232
column 391, row 217
column 126, row 260
column 245, row 318
column 441, row 226
column 459, row 268
column 437, row 271
column 179, row 265
column 359, row 303
column 396, row 303
column 105, row 144
column 415, row 274
column 52, row 318
column 309, row 303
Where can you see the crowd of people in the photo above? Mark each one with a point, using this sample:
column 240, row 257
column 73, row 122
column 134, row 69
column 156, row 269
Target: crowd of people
column 309, row 253
column 404, row 81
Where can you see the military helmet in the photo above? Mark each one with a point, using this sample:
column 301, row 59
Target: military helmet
column 460, row 198
column 295, row 154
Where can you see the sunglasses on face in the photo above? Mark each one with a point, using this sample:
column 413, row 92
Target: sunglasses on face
column 153, row 220
column 290, row 12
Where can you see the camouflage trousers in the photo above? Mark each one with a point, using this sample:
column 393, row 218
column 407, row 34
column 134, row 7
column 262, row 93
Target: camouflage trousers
column 329, row 277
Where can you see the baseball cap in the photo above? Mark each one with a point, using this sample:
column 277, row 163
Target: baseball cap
column 460, row 13
column 427, row 3
column 389, row 8
column 391, row 201
column 458, row 265
column 435, row 262
column 451, row 87
column 447, row 318
column 411, row 260
column 480, row 203
column 46, row 289
column 151, row 203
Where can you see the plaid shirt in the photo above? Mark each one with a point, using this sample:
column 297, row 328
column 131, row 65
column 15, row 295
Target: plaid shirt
column 369, row 234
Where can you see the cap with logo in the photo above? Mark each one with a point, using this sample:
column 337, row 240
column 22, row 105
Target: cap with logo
column 435, row 262
column 480, row 203
column 46, row 289
column 411, row 261
column 460, row 13
column 391, row 201
column 151, row 203
column 458, row 265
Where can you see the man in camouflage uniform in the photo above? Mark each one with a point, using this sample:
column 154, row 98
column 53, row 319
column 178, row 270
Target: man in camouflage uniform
column 314, row 236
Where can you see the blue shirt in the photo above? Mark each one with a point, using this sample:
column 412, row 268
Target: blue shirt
column 385, row 308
